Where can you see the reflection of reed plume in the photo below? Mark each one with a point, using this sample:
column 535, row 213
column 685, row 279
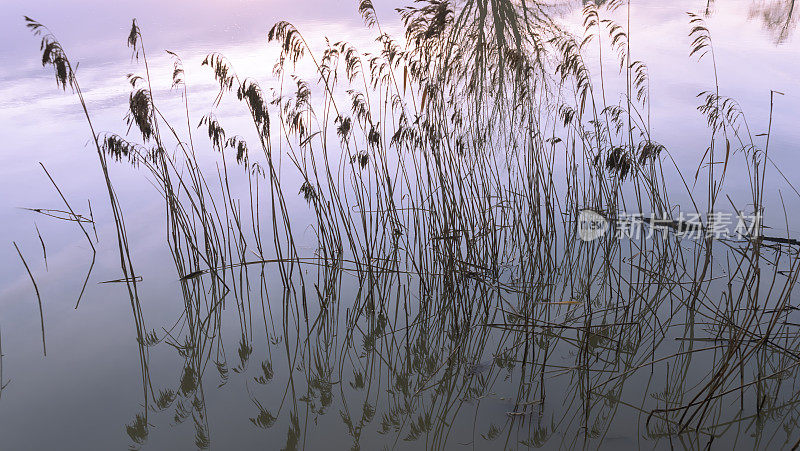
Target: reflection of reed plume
column 779, row 17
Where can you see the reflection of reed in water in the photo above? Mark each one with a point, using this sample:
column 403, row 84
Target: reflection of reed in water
column 3, row 382
column 444, row 174
column 778, row 16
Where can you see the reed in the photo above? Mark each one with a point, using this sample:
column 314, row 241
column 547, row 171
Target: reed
column 38, row 297
column 3, row 384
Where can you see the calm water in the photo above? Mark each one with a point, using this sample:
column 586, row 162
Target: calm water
column 89, row 386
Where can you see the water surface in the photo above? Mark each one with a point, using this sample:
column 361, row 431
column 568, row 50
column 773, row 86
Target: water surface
column 339, row 392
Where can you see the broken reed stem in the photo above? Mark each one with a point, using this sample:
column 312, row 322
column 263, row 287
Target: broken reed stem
column 83, row 229
column 2, row 384
column 36, row 288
